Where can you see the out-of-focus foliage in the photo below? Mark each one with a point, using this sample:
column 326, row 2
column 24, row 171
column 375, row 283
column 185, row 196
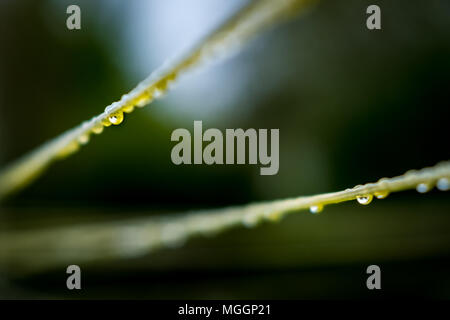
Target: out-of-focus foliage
column 352, row 106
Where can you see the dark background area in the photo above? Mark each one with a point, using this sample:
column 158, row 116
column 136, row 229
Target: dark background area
column 352, row 106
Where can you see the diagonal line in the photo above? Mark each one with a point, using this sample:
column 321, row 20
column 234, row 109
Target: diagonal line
column 249, row 21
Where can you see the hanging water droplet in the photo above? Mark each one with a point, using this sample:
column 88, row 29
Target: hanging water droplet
column 381, row 194
column 143, row 100
column 273, row 216
column 97, row 128
column 162, row 85
column 106, row 122
column 172, row 77
column 116, row 118
column 423, row 187
column 84, row 138
column 364, row 199
column 171, row 80
column 443, row 184
column 128, row 109
column 158, row 93
column 316, row 208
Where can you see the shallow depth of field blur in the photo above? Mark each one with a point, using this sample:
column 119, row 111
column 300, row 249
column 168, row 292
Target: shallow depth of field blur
column 352, row 106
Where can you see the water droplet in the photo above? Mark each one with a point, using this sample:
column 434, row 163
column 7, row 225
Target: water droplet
column 158, row 94
column 443, row 184
column 172, row 77
column 143, row 100
column 423, row 187
column 316, row 208
column 128, row 109
column 98, row 128
column 273, row 216
column 381, row 194
column 365, row 199
column 162, row 85
column 105, row 122
column 116, row 118
column 171, row 80
column 84, row 138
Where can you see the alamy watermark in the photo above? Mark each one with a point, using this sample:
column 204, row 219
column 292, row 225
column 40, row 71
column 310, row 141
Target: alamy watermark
column 237, row 142
column 374, row 280
column 74, row 280
column 73, row 21
column 373, row 22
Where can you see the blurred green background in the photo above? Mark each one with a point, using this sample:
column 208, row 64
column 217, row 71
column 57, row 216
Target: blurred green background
column 352, row 106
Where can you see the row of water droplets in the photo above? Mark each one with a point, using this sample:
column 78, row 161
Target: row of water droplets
column 256, row 216
column 443, row 184
column 175, row 234
column 115, row 116
column 363, row 199
column 148, row 90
